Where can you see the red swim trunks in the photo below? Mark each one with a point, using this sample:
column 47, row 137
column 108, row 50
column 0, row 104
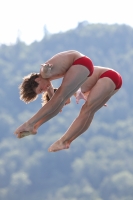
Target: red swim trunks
column 114, row 76
column 85, row 61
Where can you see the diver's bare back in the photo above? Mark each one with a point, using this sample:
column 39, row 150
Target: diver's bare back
column 61, row 62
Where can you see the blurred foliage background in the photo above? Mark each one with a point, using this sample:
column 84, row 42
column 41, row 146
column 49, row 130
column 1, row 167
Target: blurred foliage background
column 99, row 164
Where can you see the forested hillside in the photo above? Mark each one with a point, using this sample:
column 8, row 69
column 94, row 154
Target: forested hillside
column 99, row 164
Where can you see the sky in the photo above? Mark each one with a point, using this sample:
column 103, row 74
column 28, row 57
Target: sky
column 26, row 19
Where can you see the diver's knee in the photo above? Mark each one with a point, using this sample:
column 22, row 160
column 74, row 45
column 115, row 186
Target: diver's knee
column 88, row 110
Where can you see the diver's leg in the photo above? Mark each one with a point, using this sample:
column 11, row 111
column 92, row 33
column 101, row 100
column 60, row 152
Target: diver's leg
column 99, row 95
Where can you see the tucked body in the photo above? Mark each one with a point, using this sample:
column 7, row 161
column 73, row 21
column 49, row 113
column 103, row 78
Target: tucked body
column 73, row 66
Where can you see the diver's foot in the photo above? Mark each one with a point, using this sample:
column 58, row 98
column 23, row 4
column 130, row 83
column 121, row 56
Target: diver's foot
column 24, row 134
column 59, row 145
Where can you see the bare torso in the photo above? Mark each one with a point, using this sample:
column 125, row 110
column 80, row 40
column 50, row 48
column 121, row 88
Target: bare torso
column 61, row 63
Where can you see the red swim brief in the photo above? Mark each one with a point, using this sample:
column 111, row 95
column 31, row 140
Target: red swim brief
column 114, row 76
column 85, row 61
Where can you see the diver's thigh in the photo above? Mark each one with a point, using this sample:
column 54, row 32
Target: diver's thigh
column 74, row 78
column 103, row 89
